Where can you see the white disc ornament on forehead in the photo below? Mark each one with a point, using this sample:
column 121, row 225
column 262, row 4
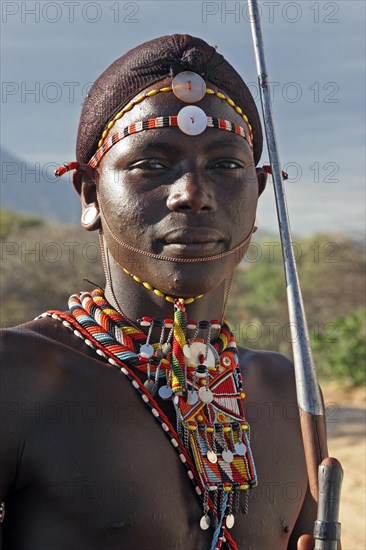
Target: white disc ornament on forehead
column 188, row 87
column 192, row 120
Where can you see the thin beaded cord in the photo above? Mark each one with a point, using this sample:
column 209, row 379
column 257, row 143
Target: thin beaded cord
column 107, row 272
column 228, row 292
column 169, row 258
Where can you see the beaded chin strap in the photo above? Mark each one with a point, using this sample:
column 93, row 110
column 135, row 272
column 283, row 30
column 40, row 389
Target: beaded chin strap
column 190, row 88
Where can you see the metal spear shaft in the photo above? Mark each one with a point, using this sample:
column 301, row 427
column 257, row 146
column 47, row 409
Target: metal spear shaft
column 323, row 472
column 308, row 393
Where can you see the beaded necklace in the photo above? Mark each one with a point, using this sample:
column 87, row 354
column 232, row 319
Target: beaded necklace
column 204, row 382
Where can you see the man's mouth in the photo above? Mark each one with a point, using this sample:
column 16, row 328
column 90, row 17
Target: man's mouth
column 195, row 242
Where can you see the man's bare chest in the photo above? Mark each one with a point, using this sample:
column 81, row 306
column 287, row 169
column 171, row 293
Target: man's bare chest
column 101, row 472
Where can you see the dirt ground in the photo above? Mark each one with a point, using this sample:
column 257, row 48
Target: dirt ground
column 346, row 423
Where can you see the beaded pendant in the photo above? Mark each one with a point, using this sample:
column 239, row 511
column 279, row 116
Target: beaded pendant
column 210, row 416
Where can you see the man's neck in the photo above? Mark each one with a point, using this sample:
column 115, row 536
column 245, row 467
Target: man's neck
column 134, row 301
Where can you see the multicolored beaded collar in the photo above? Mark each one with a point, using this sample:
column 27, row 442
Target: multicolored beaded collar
column 204, row 382
column 188, row 87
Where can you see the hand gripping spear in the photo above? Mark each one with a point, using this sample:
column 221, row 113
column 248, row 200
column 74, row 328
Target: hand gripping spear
column 325, row 474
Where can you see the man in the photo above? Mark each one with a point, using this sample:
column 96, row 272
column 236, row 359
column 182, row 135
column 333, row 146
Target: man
column 168, row 142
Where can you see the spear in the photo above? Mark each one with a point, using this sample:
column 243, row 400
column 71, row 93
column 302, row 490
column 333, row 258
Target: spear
column 307, row 388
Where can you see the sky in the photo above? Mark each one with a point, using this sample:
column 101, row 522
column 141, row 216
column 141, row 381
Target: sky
column 53, row 50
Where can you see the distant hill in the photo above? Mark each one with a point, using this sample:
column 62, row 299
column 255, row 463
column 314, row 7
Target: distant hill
column 32, row 189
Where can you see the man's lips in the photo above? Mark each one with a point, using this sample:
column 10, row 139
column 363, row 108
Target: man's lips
column 197, row 235
column 193, row 242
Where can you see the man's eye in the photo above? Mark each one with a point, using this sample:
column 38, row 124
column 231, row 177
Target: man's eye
column 150, row 164
column 225, row 165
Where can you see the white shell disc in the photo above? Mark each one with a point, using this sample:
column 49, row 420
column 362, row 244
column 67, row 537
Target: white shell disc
column 165, row 392
column 196, row 350
column 150, row 386
column 146, row 350
column 166, row 348
column 192, row 397
column 187, row 351
column 227, row 456
column 212, row 457
column 189, row 87
column 230, row 520
column 192, row 120
column 205, row 395
column 240, row 448
column 205, row 522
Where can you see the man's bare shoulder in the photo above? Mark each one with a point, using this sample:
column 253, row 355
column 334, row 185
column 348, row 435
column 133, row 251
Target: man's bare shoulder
column 38, row 351
column 268, row 372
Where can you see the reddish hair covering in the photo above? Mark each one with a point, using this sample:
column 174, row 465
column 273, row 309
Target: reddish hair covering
column 152, row 62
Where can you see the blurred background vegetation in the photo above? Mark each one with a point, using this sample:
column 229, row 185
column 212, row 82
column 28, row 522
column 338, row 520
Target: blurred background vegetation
column 43, row 263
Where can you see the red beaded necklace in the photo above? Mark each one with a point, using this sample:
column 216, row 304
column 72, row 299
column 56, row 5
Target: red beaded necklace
column 212, row 437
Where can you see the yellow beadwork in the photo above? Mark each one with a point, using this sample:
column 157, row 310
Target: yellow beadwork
column 165, row 89
column 159, row 292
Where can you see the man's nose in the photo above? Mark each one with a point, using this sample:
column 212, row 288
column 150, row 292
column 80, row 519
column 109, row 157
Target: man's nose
column 191, row 194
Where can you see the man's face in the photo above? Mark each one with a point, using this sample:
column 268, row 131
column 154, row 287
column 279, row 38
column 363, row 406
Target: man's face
column 169, row 193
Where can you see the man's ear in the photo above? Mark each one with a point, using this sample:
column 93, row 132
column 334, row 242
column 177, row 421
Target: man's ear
column 262, row 179
column 85, row 185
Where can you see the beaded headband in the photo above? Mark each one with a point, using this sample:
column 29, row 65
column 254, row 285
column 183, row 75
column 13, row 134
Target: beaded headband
column 190, row 88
